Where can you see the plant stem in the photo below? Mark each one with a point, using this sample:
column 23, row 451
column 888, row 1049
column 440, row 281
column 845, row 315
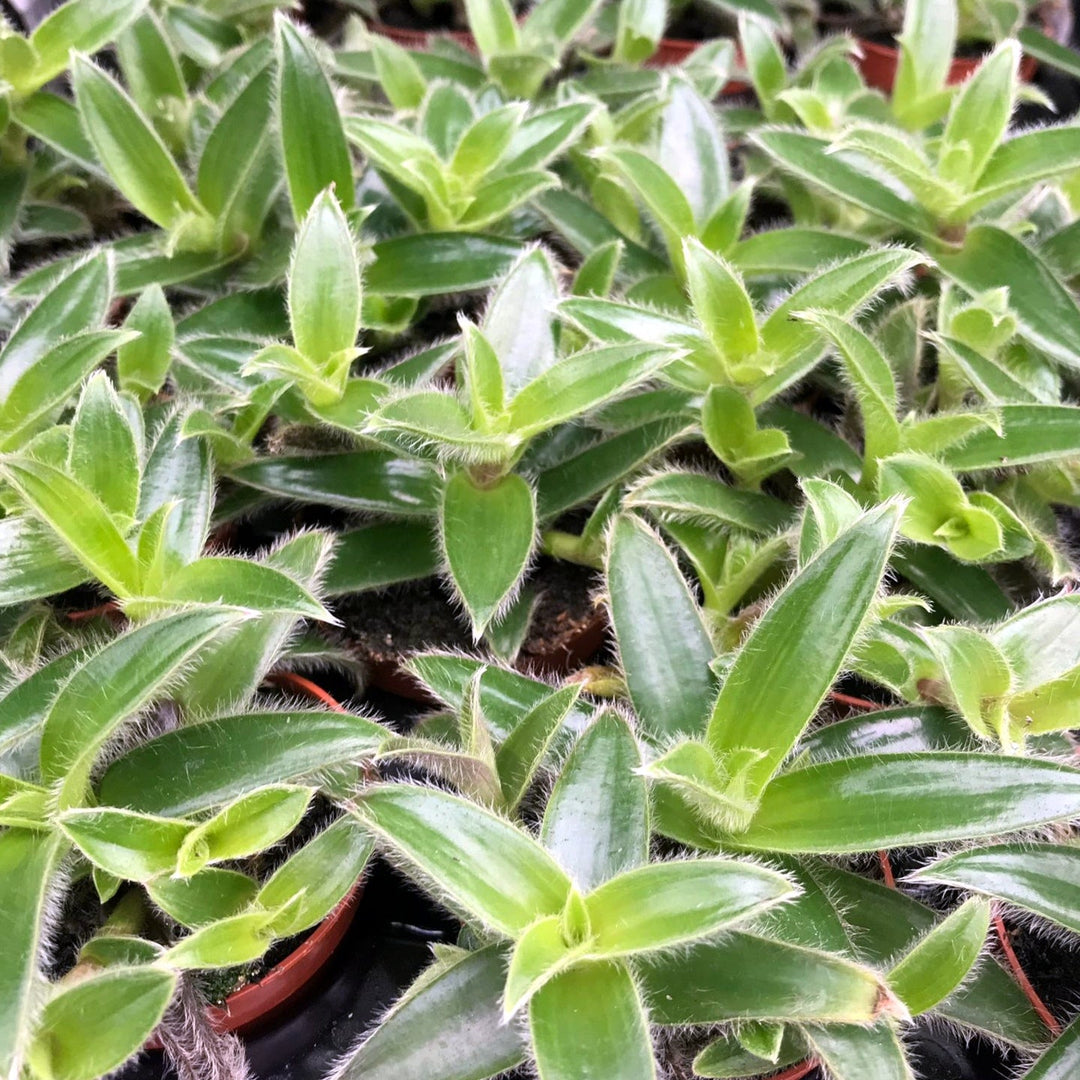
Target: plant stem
column 1030, row 993
column 292, row 681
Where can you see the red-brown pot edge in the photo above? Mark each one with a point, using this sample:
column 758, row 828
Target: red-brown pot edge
column 256, row 1004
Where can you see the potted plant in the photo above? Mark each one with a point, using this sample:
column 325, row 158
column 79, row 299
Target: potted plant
column 706, row 472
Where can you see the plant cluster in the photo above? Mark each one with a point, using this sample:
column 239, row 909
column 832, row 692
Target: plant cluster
column 791, row 376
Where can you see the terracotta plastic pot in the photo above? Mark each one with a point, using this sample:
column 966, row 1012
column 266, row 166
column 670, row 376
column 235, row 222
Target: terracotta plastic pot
column 574, row 652
column 675, row 50
column 255, row 1005
column 879, row 63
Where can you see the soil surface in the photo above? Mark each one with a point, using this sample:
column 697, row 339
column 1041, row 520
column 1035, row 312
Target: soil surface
column 386, row 625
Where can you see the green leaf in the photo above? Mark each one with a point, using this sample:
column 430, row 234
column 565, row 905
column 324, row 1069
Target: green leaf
column 661, row 195
column 926, row 54
column 898, row 800
column 133, row 154
column 486, row 577
column 792, row 251
column 759, row 682
column 670, row 903
column 725, row 1057
column 55, row 121
column 241, row 583
column 808, row 158
column 594, row 469
column 744, row 977
column 210, row 895
column 521, row 754
column 850, row 1052
column 980, row 114
column 1046, row 313
column 695, row 497
column 872, row 380
column 31, row 568
column 83, row 25
column 136, row 666
column 1041, row 878
column 321, row 873
column 381, row 554
column 227, row 756
column 250, row 823
column 152, row 74
column 239, row 939
column 937, row 965
column 843, row 289
column 397, row 72
column 1027, row 434
column 135, row 847
column 580, row 383
column 484, row 141
column 78, row 518
column 449, row 1023
column 324, row 286
column 721, row 303
column 433, row 263
column 27, row 863
column 540, row 954
column 493, row 25
column 369, row 480
column 313, row 145
column 694, row 151
column 71, row 1043
column 142, row 364
column 764, row 61
column 639, row 29
column 964, row 591
column 481, row 862
column 41, row 392
column 77, row 301
column 103, row 452
column 519, row 322
column 178, row 472
column 883, row 923
column 589, row 1021
column 663, row 643
column 1063, row 1058
column 596, row 819
column 240, row 197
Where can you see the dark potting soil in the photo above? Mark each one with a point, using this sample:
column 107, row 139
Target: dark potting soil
column 699, row 22
column 403, row 16
column 386, row 625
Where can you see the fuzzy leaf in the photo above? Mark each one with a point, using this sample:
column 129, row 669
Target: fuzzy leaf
column 484, row 576
column 483, row 864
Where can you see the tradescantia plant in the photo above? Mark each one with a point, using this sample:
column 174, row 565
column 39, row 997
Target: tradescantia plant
column 789, row 380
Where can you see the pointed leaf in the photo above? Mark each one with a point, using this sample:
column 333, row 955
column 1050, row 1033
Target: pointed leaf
column 808, row 629
column 313, row 143
column 485, row 576
column 670, row 903
column 71, row 1043
column 663, row 643
column 485, row 865
column 596, row 823
column 589, row 1021
column 229, row 755
column 897, row 800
